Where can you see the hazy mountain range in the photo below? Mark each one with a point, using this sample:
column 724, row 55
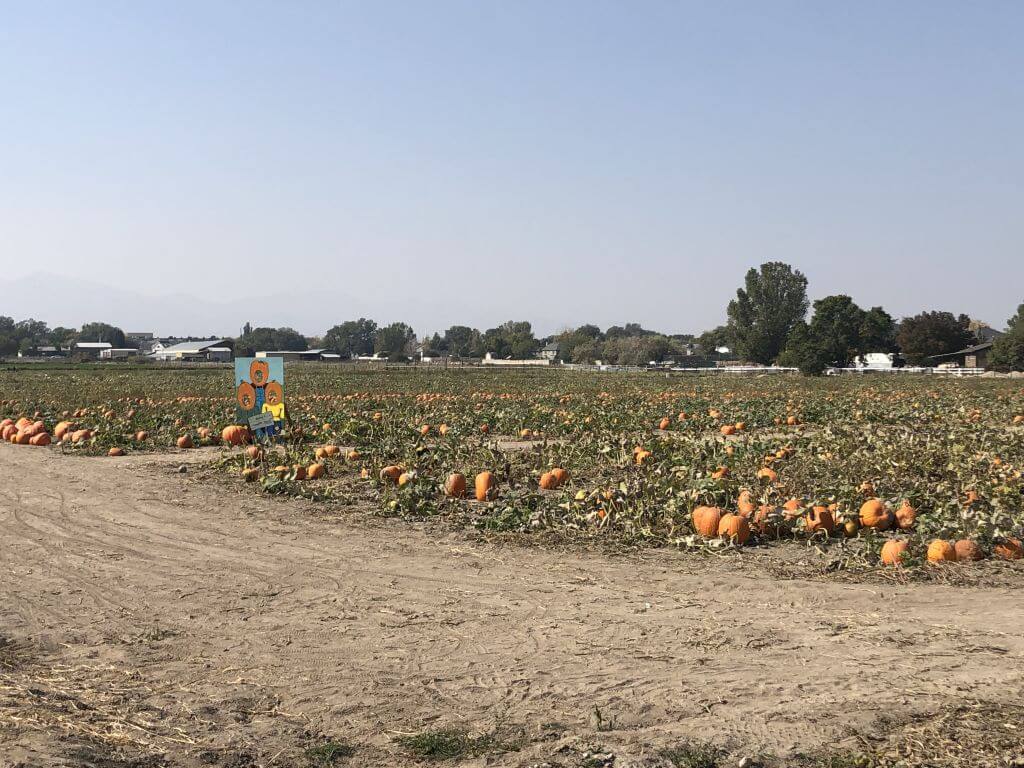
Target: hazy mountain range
column 70, row 303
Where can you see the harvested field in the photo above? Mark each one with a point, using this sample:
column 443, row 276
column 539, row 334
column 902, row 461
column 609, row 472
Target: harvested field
column 157, row 610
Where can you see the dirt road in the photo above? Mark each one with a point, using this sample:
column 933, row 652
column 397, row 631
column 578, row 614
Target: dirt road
column 152, row 618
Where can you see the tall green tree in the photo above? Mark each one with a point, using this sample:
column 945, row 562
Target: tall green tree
column 270, row 340
column 932, row 333
column 836, row 329
column 462, row 341
column 513, row 339
column 878, row 331
column 395, row 341
column 772, row 301
column 805, row 351
column 585, row 335
column 1008, row 350
column 351, row 338
column 629, row 330
column 102, row 332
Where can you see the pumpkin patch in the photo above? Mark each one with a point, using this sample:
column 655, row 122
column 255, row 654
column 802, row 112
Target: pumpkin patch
column 887, row 471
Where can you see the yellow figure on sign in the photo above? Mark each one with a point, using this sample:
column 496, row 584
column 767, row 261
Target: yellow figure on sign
column 273, row 403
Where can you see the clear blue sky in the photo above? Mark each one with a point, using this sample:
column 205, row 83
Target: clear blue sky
column 564, row 162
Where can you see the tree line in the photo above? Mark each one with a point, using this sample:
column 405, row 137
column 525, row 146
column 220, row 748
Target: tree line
column 771, row 321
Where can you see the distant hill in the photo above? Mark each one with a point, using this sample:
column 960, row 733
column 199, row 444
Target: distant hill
column 70, row 303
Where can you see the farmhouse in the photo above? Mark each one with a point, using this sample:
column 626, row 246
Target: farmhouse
column 118, row 354
column 211, row 350
column 290, row 355
column 91, row 349
column 972, row 357
column 43, row 351
column 550, row 351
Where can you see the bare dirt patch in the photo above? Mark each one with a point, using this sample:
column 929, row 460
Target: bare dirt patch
column 152, row 618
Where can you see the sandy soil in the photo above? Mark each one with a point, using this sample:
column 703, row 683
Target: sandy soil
column 154, row 618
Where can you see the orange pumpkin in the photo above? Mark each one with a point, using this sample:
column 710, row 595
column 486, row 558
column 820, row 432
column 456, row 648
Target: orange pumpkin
column 41, row 439
column 727, row 429
column 234, row 435
column 115, row 452
column 548, row 482
column 894, row 551
column 792, row 508
column 735, row 528
column 745, row 503
column 819, row 519
column 665, row 423
column 185, row 441
column 906, row 516
column 767, row 520
column 315, row 471
column 140, row 436
column 706, row 520
column 874, row 514
column 967, row 550
column 561, row 475
column 485, row 486
column 455, row 485
column 941, row 551
column 391, row 473
column 1009, row 549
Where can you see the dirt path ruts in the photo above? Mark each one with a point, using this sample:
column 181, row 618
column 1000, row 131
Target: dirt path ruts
column 229, row 624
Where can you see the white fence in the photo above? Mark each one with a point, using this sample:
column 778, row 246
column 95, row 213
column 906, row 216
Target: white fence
column 908, row 370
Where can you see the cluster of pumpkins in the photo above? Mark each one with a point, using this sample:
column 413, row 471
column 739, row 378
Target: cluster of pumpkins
column 24, row 431
column 485, row 486
column 896, row 551
column 298, row 472
column 713, row 522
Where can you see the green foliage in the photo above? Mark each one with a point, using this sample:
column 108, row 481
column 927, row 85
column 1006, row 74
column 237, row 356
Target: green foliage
column 838, row 333
column 587, row 337
column 772, row 301
column 1008, row 350
column 933, row 333
column 455, row 744
column 269, row 339
column 395, row 341
column 711, row 340
column 102, row 332
column 513, row 339
column 805, row 351
column 328, row 754
column 878, row 331
column 351, row 338
column 462, row 341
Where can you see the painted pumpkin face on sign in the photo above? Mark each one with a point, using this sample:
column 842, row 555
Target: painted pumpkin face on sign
column 246, row 396
column 274, row 393
column 259, row 372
